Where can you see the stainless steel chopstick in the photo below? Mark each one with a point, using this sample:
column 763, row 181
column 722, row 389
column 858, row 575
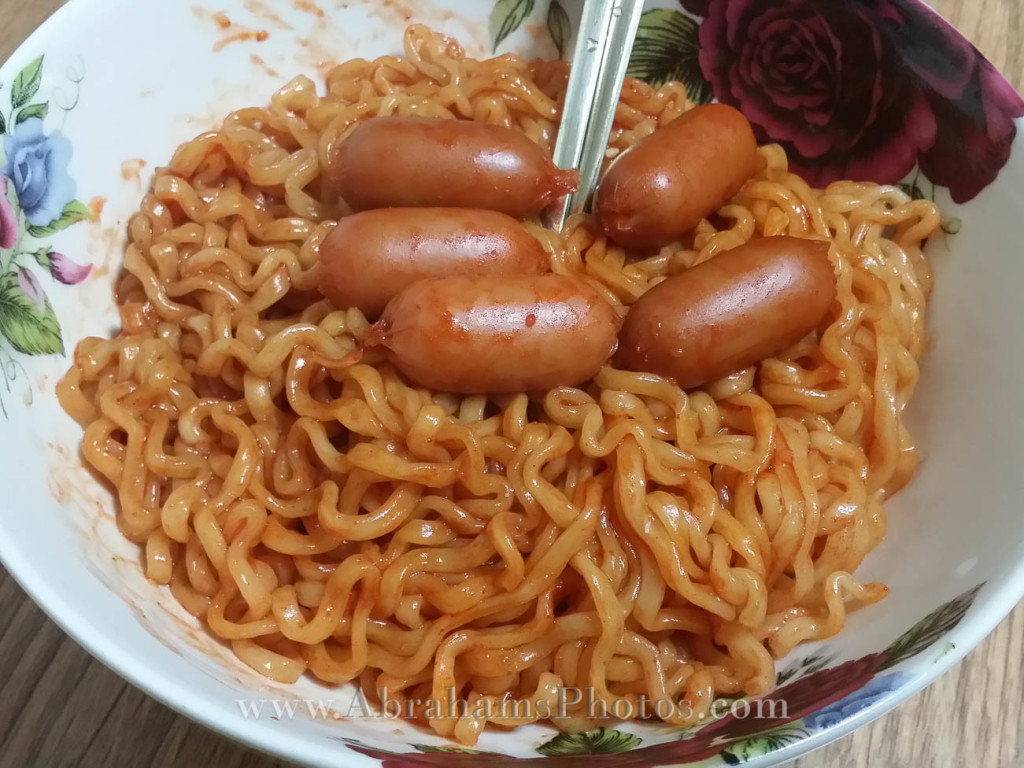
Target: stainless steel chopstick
column 604, row 43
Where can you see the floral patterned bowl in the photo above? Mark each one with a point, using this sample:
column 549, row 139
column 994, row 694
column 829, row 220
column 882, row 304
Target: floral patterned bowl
column 867, row 89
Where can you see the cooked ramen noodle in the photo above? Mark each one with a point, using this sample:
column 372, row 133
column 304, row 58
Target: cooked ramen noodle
column 323, row 514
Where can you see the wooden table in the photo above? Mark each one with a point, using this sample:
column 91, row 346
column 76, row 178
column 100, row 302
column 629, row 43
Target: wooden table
column 60, row 707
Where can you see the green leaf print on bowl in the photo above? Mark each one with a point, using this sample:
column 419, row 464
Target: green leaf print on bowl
column 26, row 83
column 506, row 16
column 73, row 213
column 667, row 48
column 559, row 26
column 763, row 744
column 603, row 741
column 930, row 629
column 27, row 320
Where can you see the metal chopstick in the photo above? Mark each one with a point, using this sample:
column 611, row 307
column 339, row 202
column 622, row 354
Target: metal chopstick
column 605, row 40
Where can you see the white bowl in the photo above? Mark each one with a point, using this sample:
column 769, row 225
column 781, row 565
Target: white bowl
column 128, row 81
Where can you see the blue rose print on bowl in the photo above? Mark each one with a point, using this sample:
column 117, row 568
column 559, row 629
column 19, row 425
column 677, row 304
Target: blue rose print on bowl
column 37, row 165
column 856, row 702
column 37, row 200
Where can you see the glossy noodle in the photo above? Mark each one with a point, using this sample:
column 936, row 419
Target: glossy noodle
column 322, row 515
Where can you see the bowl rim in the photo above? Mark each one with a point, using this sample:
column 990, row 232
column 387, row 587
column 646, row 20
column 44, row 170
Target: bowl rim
column 997, row 601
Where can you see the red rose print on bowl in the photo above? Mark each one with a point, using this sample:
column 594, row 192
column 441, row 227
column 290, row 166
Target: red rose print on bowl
column 861, row 89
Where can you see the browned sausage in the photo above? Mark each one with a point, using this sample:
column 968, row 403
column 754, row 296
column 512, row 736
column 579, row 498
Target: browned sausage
column 661, row 189
column 730, row 312
column 371, row 256
column 514, row 334
column 408, row 162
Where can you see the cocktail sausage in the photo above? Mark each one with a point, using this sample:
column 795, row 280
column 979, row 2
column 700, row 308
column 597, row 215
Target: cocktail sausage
column 496, row 335
column 427, row 162
column 730, row 312
column 370, row 256
column 660, row 189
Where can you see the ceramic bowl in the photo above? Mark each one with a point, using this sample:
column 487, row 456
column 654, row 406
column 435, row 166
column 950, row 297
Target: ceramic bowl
column 872, row 89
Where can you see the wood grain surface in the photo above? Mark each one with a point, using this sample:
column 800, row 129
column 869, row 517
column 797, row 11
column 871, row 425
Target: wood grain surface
column 60, row 707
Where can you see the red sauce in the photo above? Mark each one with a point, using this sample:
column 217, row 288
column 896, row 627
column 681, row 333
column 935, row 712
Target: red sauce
column 235, row 33
column 265, row 12
column 538, row 32
column 259, row 62
column 131, row 169
column 315, row 55
column 242, row 36
column 96, row 207
column 309, row 7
